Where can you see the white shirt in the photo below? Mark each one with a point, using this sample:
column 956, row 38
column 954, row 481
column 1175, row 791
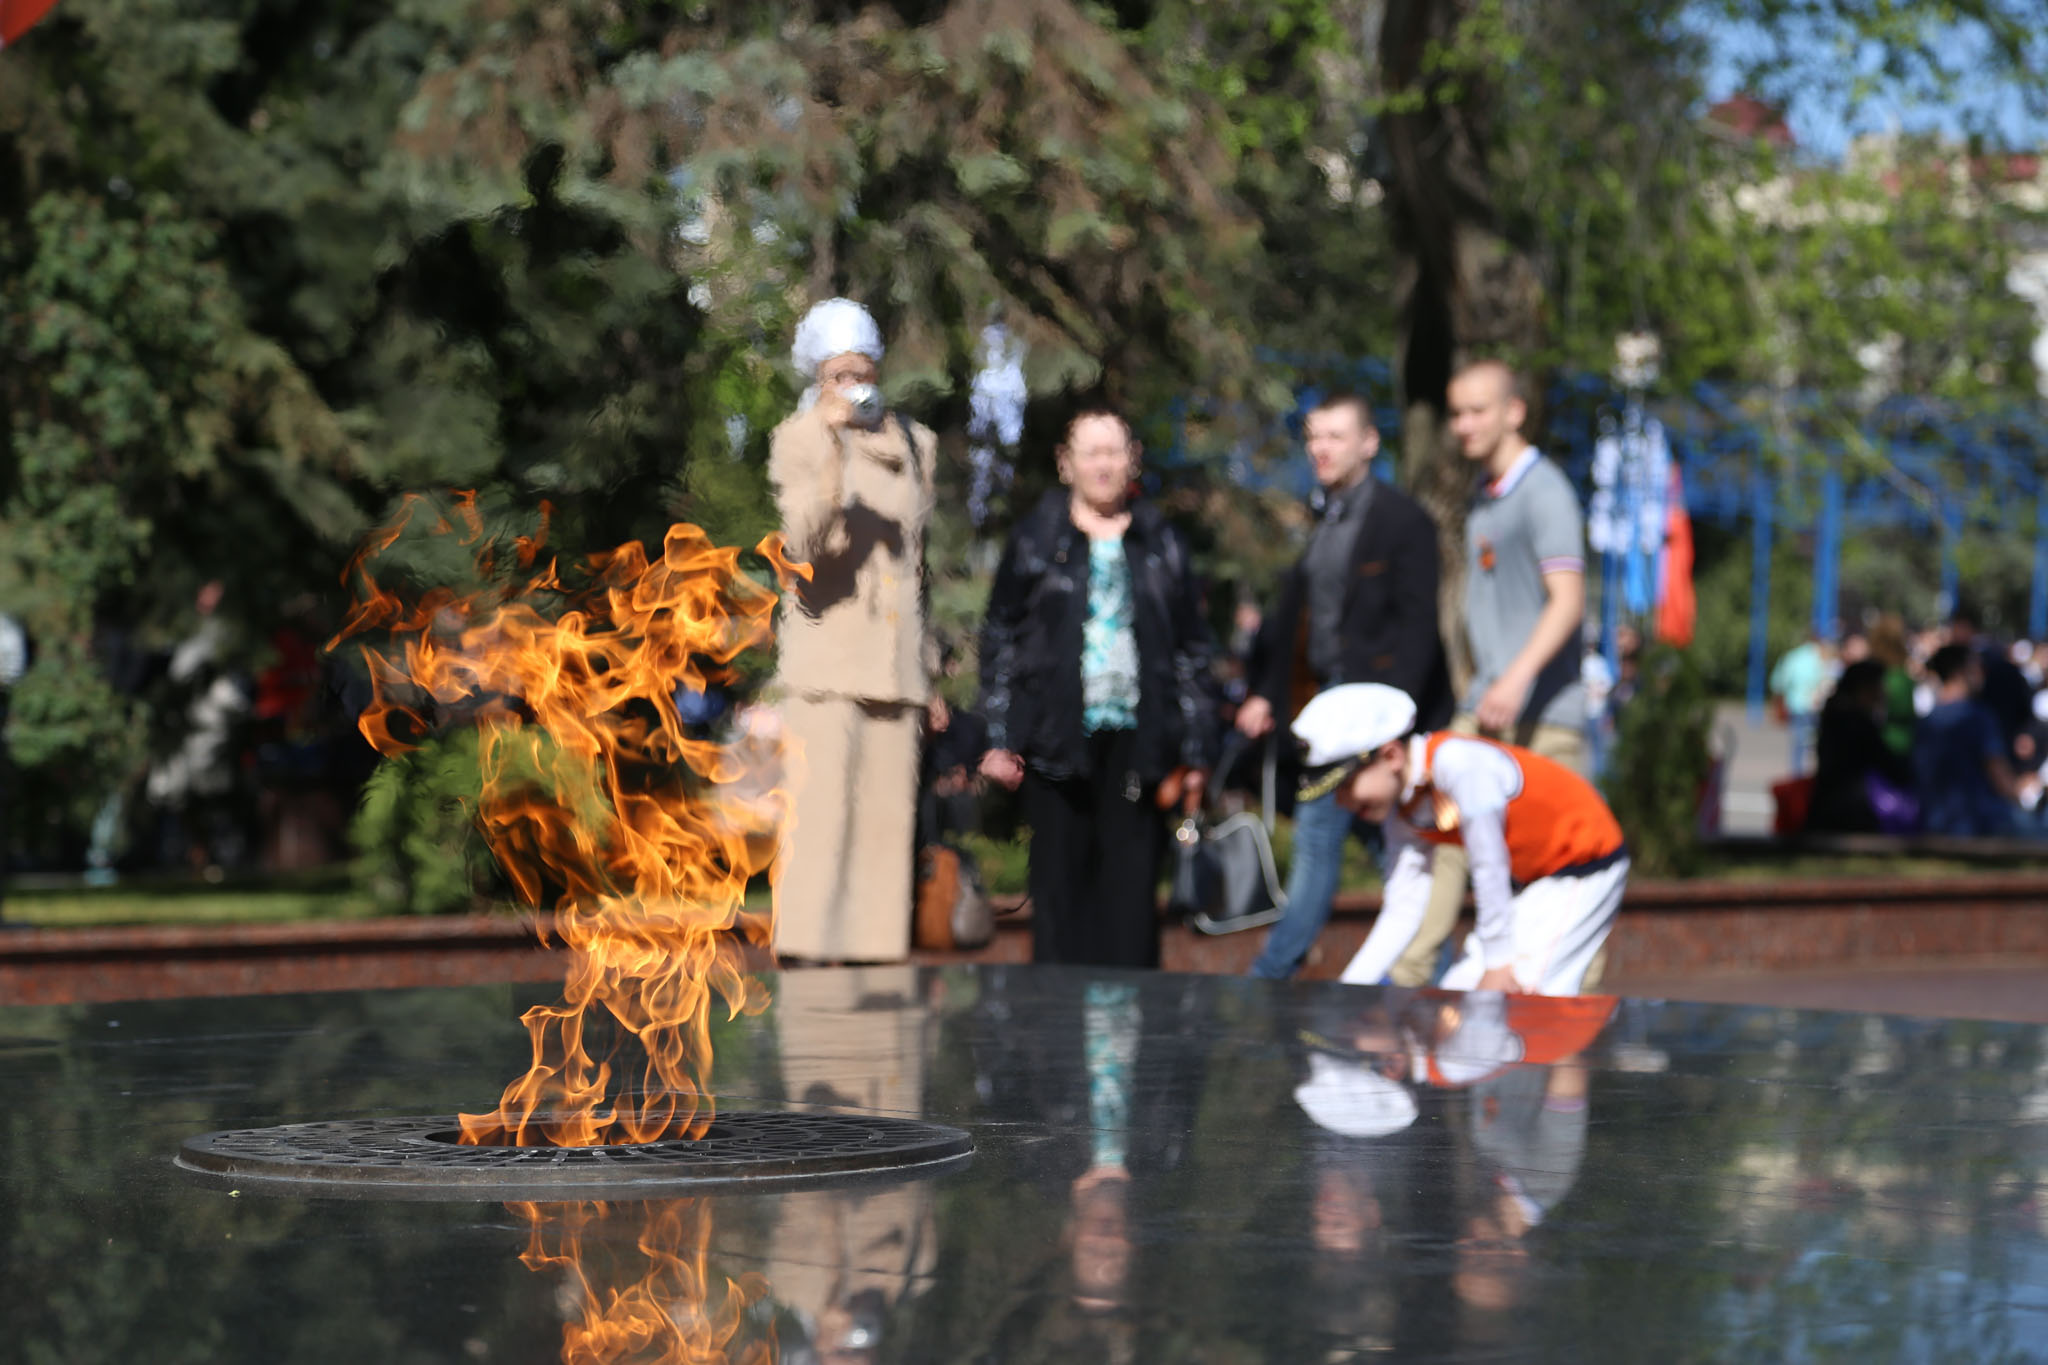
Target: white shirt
column 1477, row 780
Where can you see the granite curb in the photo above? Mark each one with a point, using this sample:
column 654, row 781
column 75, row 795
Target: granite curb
column 1664, row 928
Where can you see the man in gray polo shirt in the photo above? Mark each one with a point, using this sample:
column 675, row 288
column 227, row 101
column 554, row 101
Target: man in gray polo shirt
column 1525, row 599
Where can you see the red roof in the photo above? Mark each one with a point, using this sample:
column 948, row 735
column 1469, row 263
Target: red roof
column 1748, row 116
column 2007, row 167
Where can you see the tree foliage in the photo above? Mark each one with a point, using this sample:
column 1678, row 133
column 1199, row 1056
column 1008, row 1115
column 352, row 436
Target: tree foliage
column 266, row 266
column 967, row 163
column 1552, row 182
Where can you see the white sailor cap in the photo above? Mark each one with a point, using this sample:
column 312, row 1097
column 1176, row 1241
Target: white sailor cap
column 1352, row 1100
column 1345, row 725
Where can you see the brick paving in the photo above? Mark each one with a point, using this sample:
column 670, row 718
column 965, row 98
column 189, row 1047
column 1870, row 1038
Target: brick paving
column 1995, row 989
column 1974, row 947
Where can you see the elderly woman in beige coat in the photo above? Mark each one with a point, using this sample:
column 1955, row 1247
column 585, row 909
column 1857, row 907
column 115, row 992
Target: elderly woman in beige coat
column 855, row 667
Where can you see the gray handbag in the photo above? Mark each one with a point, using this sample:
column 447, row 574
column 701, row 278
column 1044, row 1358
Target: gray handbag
column 1224, row 877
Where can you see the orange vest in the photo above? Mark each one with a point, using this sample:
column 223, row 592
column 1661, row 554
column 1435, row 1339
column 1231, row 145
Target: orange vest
column 1555, row 823
column 1551, row 1028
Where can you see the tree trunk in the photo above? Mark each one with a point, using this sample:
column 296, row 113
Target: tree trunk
column 1463, row 291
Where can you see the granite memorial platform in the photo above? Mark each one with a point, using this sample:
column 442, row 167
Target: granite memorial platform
column 1166, row 1168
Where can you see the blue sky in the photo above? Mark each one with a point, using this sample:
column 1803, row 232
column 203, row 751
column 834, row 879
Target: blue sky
column 1835, row 92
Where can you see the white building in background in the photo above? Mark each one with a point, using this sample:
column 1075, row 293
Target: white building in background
column 2017, row 181
column 2014, row 181
column 2028, row 278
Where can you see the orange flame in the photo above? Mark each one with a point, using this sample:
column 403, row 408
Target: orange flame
column 593, row 791
column 664, row 1311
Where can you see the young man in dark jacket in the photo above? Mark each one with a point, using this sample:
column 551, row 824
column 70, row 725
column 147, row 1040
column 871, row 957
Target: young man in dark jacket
column 1360, row 606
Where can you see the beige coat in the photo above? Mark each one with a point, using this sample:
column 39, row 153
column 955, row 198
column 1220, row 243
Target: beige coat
column 856, row 629
column 854, row 671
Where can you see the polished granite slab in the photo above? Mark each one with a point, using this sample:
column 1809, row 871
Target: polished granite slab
column 1169, row 1168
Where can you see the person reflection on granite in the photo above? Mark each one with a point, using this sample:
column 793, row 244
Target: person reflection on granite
column 1460, row 1040
column 842, row 1261
column 1447, row 1039
column 1105, row 1092
column 1354, row 1297
column 1529, row 1131
column 1101, row 1194
column 1358, row 1163
column 1519, row 1059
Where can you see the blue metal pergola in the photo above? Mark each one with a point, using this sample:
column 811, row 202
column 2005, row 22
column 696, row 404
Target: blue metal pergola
column 1807, row 464
column 1799, row 463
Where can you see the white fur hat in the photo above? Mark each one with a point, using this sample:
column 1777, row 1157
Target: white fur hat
column 835, row 327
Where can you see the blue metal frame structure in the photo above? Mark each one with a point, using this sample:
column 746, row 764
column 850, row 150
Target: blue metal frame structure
column 1932, row 467
column 1943, row 470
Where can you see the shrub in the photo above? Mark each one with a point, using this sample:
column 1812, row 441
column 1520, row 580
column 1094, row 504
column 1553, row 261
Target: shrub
column 418, row 850
column 1662, row 761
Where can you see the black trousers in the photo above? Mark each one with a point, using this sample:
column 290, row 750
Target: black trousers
column 1096, row 844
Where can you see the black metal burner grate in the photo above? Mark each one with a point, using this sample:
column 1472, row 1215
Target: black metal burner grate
column 419, row 1158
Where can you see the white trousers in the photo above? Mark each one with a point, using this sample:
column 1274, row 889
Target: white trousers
column 1559, row 925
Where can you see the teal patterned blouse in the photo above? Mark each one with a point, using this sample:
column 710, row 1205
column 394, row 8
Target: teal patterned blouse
column 1109, row 642
column 1110, row 1023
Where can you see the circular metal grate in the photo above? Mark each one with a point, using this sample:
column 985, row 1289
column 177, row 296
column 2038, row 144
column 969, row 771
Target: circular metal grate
column 419, row 1158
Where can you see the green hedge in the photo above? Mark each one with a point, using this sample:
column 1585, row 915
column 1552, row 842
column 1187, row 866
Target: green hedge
column 1662, row 760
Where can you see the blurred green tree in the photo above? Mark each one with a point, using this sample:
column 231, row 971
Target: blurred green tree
column 1552, row 181
column 242, row 317
column 265, row 266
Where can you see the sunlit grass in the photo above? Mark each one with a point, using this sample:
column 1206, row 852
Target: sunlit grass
column 194, row 903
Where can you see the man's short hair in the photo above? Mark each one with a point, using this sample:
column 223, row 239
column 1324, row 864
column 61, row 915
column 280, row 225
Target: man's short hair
column 1510, row 376
column 1950, row 662
column 1090, row 414
column 1356, row 402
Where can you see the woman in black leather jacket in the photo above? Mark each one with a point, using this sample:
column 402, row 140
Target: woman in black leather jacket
column 1095, row 684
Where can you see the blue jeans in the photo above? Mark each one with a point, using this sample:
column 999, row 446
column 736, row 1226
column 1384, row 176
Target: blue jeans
column 1599, row 744
column 1320, row 828
column 1804, row 730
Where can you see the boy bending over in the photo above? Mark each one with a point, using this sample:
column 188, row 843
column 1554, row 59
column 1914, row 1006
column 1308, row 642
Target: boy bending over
column 1547, row 856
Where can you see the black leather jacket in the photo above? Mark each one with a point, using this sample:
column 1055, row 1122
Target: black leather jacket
column 1031, row 646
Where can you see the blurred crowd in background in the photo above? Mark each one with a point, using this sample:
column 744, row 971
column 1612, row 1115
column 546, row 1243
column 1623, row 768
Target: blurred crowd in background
column 1939, row 729
column 246, row 767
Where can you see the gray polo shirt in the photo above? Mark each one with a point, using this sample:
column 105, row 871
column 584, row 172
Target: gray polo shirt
column 1526, row 525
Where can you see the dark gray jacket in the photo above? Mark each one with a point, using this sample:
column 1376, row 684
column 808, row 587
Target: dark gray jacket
column 1389, row 631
